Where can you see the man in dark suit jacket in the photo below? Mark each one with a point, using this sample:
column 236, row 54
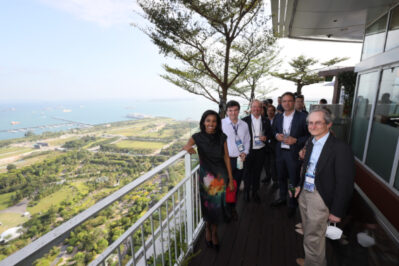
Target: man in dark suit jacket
column 270, row 160
column 325, row 187
column 260, row 131
column 291, row 132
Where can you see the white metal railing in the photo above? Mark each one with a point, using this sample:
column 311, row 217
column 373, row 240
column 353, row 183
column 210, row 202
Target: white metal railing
column 174, row 221
column 179, row 222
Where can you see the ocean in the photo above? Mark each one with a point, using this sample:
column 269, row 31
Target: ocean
column 19, row 117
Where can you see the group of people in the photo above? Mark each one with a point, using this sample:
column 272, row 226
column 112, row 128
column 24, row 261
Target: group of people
column 299, row 153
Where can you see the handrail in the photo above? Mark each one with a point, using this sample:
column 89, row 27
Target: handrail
column 58, row 234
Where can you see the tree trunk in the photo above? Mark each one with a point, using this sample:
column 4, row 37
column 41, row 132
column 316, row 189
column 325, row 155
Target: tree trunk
column 299, row 89
column 222, row 107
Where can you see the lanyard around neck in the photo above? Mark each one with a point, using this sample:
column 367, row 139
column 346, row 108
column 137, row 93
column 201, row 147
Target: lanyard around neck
column 235, row 127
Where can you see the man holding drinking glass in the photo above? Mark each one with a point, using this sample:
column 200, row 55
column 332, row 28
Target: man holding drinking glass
column 260, row 131
column 291, row 133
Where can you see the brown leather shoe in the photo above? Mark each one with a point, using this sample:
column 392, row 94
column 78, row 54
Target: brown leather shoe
column 300, row 261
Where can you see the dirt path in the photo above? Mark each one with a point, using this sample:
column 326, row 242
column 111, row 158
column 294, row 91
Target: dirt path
column 17, row 208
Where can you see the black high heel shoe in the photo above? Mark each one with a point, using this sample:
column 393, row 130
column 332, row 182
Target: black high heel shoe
column 208, row 242
column 216, row 246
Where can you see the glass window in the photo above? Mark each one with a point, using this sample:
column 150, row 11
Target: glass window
column 375, row 38
column 362, row 111
column 393, row 29
column 385, row 129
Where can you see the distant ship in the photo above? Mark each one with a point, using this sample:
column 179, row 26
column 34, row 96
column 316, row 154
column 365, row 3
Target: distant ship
column 67, row 110
column 15, row 123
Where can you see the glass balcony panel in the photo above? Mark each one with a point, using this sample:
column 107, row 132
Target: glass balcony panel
column 362, row 111
column 385, row 129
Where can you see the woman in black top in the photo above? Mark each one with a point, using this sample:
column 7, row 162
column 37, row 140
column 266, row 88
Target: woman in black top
column 215, row 172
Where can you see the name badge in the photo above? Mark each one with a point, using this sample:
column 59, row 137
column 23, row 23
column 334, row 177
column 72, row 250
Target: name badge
column 309, row 182
column 240, row 146
column 258, row 142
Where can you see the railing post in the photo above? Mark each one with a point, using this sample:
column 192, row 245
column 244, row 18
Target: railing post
column 189, row 200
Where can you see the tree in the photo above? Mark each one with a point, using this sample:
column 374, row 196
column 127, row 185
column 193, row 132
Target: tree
column 29, row 133
column 249, row 82
column 334, row 61
column 215, row 41
column 303, row 74
column 11, row 167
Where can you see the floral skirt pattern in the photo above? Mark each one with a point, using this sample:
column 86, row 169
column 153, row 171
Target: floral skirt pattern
column 212, row 193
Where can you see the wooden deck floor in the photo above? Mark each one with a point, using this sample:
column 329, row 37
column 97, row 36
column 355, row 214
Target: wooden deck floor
column 262, row 236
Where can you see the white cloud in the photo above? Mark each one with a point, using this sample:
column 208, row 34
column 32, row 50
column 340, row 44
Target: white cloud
column 105, row 13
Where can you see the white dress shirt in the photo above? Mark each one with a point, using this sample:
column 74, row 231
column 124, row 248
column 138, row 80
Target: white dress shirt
column 287, row 122
column 242, row 132
column 256, row 131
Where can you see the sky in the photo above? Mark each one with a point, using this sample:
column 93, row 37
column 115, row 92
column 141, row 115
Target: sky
column 57, row 50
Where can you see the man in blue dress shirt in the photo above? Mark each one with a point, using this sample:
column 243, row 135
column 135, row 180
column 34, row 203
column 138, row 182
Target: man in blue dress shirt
column 238, row 139
column 325, row 187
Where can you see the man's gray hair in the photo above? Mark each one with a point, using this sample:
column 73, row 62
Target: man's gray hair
column 328, row 118
column 256, row 100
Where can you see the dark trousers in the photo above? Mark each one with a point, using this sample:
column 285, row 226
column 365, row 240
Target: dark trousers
column 270, row 165
column 288, row 168
column 253, row 168
column 237, row 175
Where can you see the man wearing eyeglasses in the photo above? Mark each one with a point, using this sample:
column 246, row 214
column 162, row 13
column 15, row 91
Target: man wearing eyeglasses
column 325, row 187
column 291, row 132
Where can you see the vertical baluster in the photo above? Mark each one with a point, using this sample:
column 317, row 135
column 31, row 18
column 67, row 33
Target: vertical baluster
column 197, row 198
column 119, row 256
column 180, row 222
column 153, row 240
column 143, row 243
column 169, row 245
column 192, row 206
column 174, row 224
column 185, row 214
column 199, row 195
column 132, row 249
column 161, row 235
column 188, row 198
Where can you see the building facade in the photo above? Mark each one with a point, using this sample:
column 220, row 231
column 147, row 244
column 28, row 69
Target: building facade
column 374, row 130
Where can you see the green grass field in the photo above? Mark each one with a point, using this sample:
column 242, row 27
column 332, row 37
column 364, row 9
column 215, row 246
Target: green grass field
column 61, row 141
column 81, row 187
column 5, row 200
column 145, row 145
column 9, row 219
column 12, row 151
column 53, row 199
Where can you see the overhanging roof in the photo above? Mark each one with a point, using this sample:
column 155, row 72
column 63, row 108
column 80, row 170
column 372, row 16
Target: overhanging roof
column 330, row 20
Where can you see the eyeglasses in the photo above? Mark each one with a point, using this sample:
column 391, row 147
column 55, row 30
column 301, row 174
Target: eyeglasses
column 317, row 123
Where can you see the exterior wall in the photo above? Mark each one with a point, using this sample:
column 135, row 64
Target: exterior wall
column 374, row 134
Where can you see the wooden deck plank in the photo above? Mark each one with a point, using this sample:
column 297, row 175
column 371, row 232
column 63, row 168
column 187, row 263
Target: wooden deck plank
column 259, row 237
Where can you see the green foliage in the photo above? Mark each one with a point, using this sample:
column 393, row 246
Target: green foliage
column 214, row 40
column 11, row 167
column 347, row 80
column 304, row 72
column 334, row 61
column 29, row 134
column 79, row 143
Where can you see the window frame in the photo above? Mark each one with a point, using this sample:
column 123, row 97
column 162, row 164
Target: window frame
column 388, row 13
